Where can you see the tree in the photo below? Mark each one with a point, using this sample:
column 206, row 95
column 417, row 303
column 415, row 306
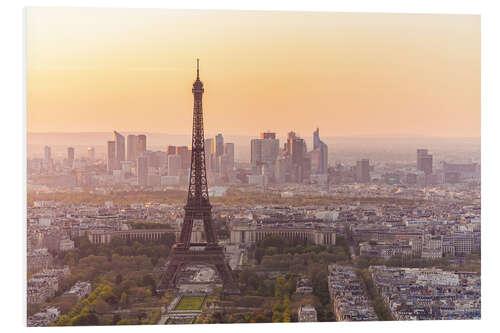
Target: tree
column 286, row 316
column 63, row 321
column 65, row 303
column 329, row 315
column 286, row 302
column 70, row 258
column 127, row 322
column 148, row 281
column 382, row 312
column 279, row 289
column 277, row 317
column 138, row 292
column 108, row 295
column 123, row 298
column 319, row 279
column 101, row 306
column 141, row 315
column 85, row 319
column 154, row 260
column 116, row 319
column 260, row 318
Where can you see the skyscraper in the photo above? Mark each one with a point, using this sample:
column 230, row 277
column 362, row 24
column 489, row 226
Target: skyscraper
column 152, row 159
column 209, row 153
column 264, row 150
column 267, row 135
column 47, row 161
column 297, row 149
column 171, row 150
column 363, row 171
column 301, row 165
column 142, row 170
column 183, row 152
column 141, row 144
column 120, row 147
column 91, row 153
column 131, row 147
column 283, row 168
column 420, row 154
column 217, row 152
column 300, row 162
column 71, row 156
column 424, row 161
column 218, row 143
column 256, row 152
column 47, row 153
column 174, row 165
column 161, row 159
column 111, row 157
column 290, row 138
column 319, row 155
column 229, row 156
column 316, row 140
column 426, row 164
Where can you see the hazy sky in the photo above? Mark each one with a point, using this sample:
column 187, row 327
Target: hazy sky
column 349, row 74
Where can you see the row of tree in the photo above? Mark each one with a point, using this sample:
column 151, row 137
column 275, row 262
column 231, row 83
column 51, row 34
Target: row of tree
column 149, row 225
column 120, row 198
column 85, row 312
column 107, row 297
column 469, row 263
column 273, row 245
column 152, row 249
column 233, row 197
column 379, row 306
column 121, row 273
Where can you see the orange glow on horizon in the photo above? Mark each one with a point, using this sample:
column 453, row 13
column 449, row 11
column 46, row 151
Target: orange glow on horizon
column 92, row 69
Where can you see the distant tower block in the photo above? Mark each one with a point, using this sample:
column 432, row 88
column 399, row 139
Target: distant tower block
column 198, row 208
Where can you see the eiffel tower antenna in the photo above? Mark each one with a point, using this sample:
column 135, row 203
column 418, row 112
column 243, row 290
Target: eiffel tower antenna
column 197, row 69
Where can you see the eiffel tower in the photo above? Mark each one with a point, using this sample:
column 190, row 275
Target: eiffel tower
column 185, row 253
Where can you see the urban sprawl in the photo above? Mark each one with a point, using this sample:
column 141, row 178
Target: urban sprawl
column 396, row 241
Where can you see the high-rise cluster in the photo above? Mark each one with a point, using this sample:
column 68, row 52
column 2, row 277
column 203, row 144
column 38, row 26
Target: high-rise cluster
column 219, row 156
column 292, row 164
column 115, row 152
column 264, row 153
column 168, row 167
column 117, row 155
column 121, row 155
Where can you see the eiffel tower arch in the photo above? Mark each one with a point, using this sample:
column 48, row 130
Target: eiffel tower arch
column 184, row 253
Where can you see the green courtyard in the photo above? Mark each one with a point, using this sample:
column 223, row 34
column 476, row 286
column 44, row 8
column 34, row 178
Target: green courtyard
column 190, row 303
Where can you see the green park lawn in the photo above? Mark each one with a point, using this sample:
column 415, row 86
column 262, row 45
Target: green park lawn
column 190, row 303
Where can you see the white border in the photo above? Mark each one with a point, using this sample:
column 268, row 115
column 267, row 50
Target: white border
column 14, row 156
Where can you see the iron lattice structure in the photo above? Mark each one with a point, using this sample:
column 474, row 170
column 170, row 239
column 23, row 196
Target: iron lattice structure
column 197, row 208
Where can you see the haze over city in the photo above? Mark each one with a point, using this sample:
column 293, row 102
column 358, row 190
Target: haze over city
column 317, row 167
column 93, row 70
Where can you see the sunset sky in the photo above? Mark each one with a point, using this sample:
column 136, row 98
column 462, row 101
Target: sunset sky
column 132, row 70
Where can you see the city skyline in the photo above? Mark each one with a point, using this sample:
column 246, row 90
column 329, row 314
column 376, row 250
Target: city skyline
column 426, row 85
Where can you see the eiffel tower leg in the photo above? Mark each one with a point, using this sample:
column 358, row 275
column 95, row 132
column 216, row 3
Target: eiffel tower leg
column 187, row 228
column 228, row 283
column 169, row 278
column 209, row 228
